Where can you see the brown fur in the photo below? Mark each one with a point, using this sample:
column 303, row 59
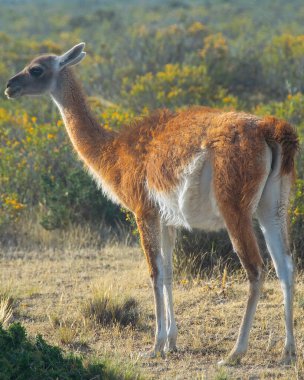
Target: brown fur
column 149, row 230
column 150, row 151
column 280, row 131
column 153, row 152
column 157, row 149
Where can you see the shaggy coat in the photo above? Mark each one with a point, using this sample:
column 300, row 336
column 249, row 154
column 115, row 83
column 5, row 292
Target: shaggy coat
column 195, row 168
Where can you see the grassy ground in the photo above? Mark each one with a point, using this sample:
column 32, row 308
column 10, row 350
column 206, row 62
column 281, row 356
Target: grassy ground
column 51, row 288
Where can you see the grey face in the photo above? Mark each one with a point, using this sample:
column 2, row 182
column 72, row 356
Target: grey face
column 40, row 75
column 36, row 78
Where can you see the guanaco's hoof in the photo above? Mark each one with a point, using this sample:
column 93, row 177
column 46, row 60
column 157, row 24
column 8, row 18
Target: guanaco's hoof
column 152, row 354
column 231, row 360
column 171, row 349
column 288, row 358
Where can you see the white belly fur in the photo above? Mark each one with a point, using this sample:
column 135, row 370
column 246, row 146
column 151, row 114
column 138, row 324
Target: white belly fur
column 192, row 203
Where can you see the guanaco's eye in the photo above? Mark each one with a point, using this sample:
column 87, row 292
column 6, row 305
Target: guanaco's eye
column 36, row 71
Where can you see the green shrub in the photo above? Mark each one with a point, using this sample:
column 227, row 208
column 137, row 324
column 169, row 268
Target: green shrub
column 39, row 169
column 23, row 358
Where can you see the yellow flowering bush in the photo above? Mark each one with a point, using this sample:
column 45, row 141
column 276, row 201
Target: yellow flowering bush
column 174, row 86
column 283, row 58
column 38, row 168
column 112, row 118
column 10, row 208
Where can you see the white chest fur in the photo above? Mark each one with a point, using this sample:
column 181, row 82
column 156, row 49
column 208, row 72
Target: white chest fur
column 192, row 203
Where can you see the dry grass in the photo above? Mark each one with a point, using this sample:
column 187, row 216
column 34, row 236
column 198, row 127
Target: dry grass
column 108, row 308
column 29, row 234
column 53, row 287
column 6, row 311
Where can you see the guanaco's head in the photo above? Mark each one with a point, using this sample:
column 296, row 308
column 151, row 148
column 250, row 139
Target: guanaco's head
column 41, row 74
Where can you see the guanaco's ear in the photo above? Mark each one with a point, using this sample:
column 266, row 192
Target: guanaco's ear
column 72, row 56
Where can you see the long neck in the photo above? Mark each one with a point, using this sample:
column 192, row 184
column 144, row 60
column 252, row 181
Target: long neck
column 86, row 134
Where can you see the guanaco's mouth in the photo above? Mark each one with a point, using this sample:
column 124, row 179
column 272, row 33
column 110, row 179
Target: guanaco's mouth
column 12, row 92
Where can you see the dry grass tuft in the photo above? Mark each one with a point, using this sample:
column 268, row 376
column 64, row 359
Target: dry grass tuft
column 6, row 310
column 66, row 330
column 7, row 299
column 222, row 374
column 54, row 320
column 66, row 334
column 110, row 309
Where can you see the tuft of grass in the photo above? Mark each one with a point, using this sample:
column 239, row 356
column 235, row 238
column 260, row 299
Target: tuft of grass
column 66, row 334
column 66, row 331
column 6, row 310
column 301, row 302
column 222, row 374
column 7, row 300
column 54, row 320
column 110, row 309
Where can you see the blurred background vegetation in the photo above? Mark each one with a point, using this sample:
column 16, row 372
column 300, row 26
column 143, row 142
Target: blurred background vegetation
column 141, row 55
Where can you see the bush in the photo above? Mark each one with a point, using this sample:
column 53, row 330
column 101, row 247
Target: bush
column 174, row 86
column 283, row 58
column 22, row 358
column 39, row 169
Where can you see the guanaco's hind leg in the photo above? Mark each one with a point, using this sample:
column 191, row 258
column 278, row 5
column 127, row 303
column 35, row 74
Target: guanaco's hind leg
column 240, row 171
column 245, row 244
column 272, row 215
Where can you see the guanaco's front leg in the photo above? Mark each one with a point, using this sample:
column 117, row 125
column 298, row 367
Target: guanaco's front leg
column 149, row 229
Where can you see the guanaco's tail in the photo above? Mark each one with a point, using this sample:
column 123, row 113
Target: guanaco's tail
column 279, row 131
